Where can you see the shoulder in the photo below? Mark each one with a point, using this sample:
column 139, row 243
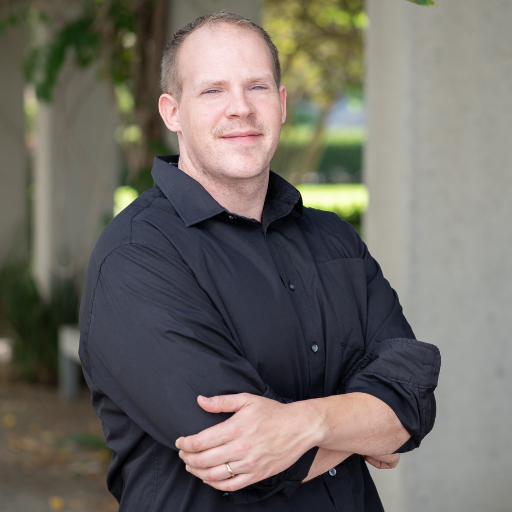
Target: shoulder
column 131, row 248
column 138, row 224
column 140, row 234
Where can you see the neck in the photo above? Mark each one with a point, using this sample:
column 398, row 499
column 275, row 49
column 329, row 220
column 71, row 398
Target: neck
column 242, row 196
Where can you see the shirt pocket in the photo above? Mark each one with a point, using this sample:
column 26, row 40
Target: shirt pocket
column 344, row 292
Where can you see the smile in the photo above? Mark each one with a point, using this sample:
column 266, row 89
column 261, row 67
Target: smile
column 242, row 138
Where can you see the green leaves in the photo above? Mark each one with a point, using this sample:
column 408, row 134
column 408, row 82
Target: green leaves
column 423, row 2
column 320, row 44
column 33, row 322
column 84, row 38
column 43, row 64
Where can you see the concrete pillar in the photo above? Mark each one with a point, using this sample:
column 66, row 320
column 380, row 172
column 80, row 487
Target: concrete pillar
column 438, row 167
column 13, row 165
column 76, row 172
column 43, row 238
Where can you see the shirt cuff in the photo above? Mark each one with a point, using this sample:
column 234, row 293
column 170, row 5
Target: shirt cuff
column 403, row 373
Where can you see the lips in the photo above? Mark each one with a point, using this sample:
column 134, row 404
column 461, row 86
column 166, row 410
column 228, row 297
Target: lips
column 243, row 137
column 250, row 133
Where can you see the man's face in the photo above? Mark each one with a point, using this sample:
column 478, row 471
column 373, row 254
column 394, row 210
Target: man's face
column 231, row 111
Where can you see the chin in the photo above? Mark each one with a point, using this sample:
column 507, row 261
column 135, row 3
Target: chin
column 248, row 172
column 244, row 168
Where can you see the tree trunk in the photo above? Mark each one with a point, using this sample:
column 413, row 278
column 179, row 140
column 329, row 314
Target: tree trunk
column 151, row 40
column 307, row 159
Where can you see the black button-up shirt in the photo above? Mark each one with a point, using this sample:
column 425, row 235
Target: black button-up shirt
column 185, row 298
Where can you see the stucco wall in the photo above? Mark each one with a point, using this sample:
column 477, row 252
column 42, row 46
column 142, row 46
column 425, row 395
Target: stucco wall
column 438, row 167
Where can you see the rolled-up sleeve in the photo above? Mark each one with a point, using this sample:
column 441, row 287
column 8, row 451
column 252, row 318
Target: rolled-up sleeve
column 396, row 368
column 152, row 342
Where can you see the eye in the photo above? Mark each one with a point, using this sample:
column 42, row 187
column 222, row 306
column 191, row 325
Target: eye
column 259, row 87
column 211, row 91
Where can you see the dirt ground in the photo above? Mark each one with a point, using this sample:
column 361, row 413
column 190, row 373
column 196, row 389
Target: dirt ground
column 52, row 456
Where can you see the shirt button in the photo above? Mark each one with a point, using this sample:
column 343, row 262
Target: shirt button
column 314, row 348
column 292, row 288
column 226, row 494
column 332, row 472
column 230, row 217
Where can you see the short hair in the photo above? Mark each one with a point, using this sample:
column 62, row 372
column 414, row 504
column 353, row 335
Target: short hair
column 169, row 79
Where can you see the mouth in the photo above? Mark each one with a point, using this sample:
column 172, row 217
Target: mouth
column 247, row 137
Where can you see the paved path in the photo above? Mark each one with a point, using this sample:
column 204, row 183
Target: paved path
column 51, row 457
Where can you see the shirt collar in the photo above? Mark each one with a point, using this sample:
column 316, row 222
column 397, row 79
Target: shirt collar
column 194, row 204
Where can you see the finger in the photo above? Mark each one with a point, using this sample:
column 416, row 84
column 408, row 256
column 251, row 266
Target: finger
column 215, row 474
column 235, row 483
column 214, row 436
column 209, row 438
column 388, row 459
column 381, row 464
column 392, row 465
column 375, row 463
column 223, row 403
column 396, row 459
column 214, row 456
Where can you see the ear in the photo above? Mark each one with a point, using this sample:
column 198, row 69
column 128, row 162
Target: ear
column 282, row 96
column 168, row 107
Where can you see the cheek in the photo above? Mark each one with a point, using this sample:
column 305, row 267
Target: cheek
column 201, row 123
column 272, row 114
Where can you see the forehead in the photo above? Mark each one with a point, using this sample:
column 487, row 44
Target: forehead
column 223, row 52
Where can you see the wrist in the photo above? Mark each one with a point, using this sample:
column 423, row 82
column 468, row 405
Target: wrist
column 314, row 420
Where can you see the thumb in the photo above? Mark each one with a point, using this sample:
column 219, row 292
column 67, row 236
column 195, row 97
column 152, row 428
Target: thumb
column 223, row 403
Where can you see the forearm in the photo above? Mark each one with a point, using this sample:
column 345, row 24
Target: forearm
column 356, row 423
column 325, row 460
column 264, row 437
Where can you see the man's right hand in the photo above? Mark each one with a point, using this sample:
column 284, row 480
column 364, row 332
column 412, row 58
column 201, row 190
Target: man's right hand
column 383, row 461
column 326, row 459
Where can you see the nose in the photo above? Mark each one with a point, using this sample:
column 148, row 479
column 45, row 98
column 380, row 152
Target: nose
column 239, row 104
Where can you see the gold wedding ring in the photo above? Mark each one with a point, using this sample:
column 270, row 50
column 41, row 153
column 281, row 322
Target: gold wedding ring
column 229, row 469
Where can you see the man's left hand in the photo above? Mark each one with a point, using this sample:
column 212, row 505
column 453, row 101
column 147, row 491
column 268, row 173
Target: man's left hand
column 262, row 439
column 383, row 461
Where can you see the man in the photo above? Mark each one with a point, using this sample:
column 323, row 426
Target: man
column 243, row 352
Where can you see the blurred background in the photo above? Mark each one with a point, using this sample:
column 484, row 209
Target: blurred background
column 399, row 120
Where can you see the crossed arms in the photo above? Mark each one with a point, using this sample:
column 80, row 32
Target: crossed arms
column 154, row 367
column 265, row 437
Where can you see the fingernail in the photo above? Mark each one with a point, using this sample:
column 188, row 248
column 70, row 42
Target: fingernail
column 180, row 453
column 187, row 468
column 177, row 443
column 207, row 398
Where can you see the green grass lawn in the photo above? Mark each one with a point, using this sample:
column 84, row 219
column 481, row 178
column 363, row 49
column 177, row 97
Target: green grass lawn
column 344, row 199
column 342, row 152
